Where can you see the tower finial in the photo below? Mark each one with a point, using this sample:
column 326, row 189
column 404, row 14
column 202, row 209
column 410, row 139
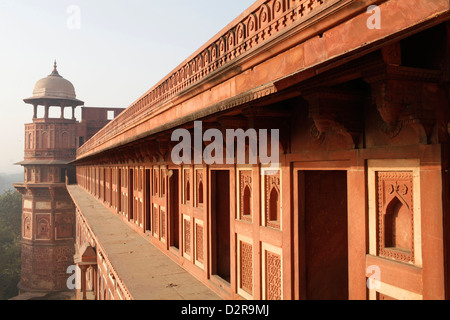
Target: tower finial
column 55, row 70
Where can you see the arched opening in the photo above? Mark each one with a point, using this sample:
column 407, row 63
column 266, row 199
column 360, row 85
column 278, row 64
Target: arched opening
column 43, row 230
column 187, row 191
column 65, row 140
column 397, row 226
column 45, row 142
column 200, row 192
column 30, row 141
column 274, row 214
column 27, row 227
column 247, row 199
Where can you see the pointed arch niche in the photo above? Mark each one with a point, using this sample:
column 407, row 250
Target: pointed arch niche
column 394, row 210
column 245, row 194
column 271, row 198
column 394, row 224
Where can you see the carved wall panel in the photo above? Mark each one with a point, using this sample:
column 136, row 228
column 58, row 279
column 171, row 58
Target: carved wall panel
column 199, row 254
column 395, row 215
column 395, row 222
column 155, row 220
column 43, row 227
column 272, row 273
column 64, row 226
column 246, row 267
column 27, row 226
column 187, row 237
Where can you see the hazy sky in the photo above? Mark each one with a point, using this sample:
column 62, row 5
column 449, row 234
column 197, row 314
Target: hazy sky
column 113, row 54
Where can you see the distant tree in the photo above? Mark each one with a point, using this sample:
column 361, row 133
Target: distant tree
column 10, row 245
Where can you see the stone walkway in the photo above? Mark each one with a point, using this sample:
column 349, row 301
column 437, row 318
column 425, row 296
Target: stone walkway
column 147, row 272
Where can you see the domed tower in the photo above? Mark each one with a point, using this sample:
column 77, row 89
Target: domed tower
column 48, row 211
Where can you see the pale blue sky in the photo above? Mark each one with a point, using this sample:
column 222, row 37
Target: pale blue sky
column 121, row 50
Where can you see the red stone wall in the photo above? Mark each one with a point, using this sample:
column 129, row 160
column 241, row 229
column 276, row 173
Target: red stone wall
column 336, row 118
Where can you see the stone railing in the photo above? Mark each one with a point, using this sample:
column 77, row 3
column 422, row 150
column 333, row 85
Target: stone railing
column 265, row 21
column 50, row 153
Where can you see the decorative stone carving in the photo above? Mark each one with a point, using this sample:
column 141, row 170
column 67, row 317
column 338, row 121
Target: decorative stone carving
column 245, row 195
column 395, row 215
column 246, row 265
column 404, row 96
column 335, row 110
column 27, row 227
column 64, row 226
column 273, row 276
column 199, row 188
column 199, row 243
column 187, row 237
column 43, row 227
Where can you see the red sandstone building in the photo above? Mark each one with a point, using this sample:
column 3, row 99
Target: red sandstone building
column 361, row 100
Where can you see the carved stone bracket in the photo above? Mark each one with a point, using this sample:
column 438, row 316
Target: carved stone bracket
column 335, row 110
column 406, row 96
column 271, row 119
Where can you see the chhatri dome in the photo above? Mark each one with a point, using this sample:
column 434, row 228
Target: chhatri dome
column 54, row 87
